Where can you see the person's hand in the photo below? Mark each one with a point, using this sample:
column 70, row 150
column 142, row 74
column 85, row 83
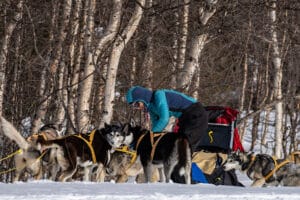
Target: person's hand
column 138, row 105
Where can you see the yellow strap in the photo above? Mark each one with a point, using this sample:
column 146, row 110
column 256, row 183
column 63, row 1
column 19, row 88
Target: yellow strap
column 19, row 151
column 125, row 149
column 9, row 170
column 12, row 154
column 139, row 141
column 277, row 166
column 155, row 144
column 293, row 155
column 89, row 143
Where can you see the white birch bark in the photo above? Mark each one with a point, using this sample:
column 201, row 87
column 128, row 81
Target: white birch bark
column 36, row 124
column 112, row 29
column 108, row 36
column 276, row 59
column 182, row 42
column 4, row 48
column 89, row 68
column 117, row 49
column 193, row 61
column 173, row 82
column 196, row 46
column 62, row 96
column 75, row 59
column 133, row 65
column 148, row 59
column 62, row 36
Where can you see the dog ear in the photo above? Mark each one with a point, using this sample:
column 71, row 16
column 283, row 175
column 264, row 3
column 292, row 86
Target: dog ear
column 126, row 128
column 106, row 125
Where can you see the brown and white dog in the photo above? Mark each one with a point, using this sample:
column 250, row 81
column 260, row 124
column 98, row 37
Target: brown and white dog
column 85, row 150
column 28, row 160
column 263, row 169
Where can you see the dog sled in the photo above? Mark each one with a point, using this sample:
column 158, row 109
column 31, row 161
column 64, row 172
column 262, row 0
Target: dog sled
column 222, row 137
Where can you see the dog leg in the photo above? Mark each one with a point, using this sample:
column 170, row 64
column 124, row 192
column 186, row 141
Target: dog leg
column 122, row 178
column 20, row 163
column 162, row 175
column 100, row 173
column 17, row 175
column 54, row 171
column 66, row 175
column 39, row 173
column 258, row 182
column 148, row 171
column 188, row 167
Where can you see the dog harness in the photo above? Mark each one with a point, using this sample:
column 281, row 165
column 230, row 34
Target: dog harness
column 153, row 143
column 277, row 167
column 89, row 143
column 125, row 149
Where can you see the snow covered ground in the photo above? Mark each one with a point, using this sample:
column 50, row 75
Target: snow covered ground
column 37, row 190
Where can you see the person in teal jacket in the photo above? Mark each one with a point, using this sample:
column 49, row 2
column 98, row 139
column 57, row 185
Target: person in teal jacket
column 164, row 103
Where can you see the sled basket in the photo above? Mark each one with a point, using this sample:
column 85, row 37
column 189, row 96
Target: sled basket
column 222, row 134
column 219, row 138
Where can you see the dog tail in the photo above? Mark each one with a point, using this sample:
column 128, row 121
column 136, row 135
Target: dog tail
column 44, row 144
column 11, row 132
column 185, row 159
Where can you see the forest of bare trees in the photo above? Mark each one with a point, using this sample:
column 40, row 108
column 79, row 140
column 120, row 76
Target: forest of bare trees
column 70, row 62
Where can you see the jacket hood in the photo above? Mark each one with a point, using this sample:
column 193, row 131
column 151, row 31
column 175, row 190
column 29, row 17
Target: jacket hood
column 138, row 93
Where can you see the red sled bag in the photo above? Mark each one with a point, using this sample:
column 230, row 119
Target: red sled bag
column 222, row 134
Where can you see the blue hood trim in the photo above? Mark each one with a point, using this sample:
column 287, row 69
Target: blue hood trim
column 138, row 93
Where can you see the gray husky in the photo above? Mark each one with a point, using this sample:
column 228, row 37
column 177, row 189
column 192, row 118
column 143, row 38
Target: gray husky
column 29, row 160
column 264, row 170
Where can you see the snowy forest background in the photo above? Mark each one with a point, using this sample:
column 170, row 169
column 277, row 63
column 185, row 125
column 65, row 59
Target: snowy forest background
column 71, row 62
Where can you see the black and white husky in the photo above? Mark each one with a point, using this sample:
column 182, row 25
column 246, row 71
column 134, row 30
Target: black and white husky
column 263, row 169
column 161, row 150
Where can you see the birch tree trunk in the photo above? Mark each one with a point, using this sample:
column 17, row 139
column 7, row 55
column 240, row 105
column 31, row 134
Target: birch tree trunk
column 89, row 68
column 43, row 105
column 4, row 48
column 173, row 83
column 196, row 46
column 133, row 64
column 182, row 41
column 192, row 61
column 276, row 59
column 117, row 49
column 75, row 60
column 148, row 59
column 112, row 29
column 62, row 96
column 108, row 36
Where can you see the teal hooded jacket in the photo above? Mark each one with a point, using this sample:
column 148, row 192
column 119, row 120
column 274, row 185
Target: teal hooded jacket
column 161, row 104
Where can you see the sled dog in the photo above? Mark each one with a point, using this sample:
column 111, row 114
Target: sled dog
column 28, row 159
column 264, row 170
column 162, row 151
column 124, row 165
column 88, row 151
